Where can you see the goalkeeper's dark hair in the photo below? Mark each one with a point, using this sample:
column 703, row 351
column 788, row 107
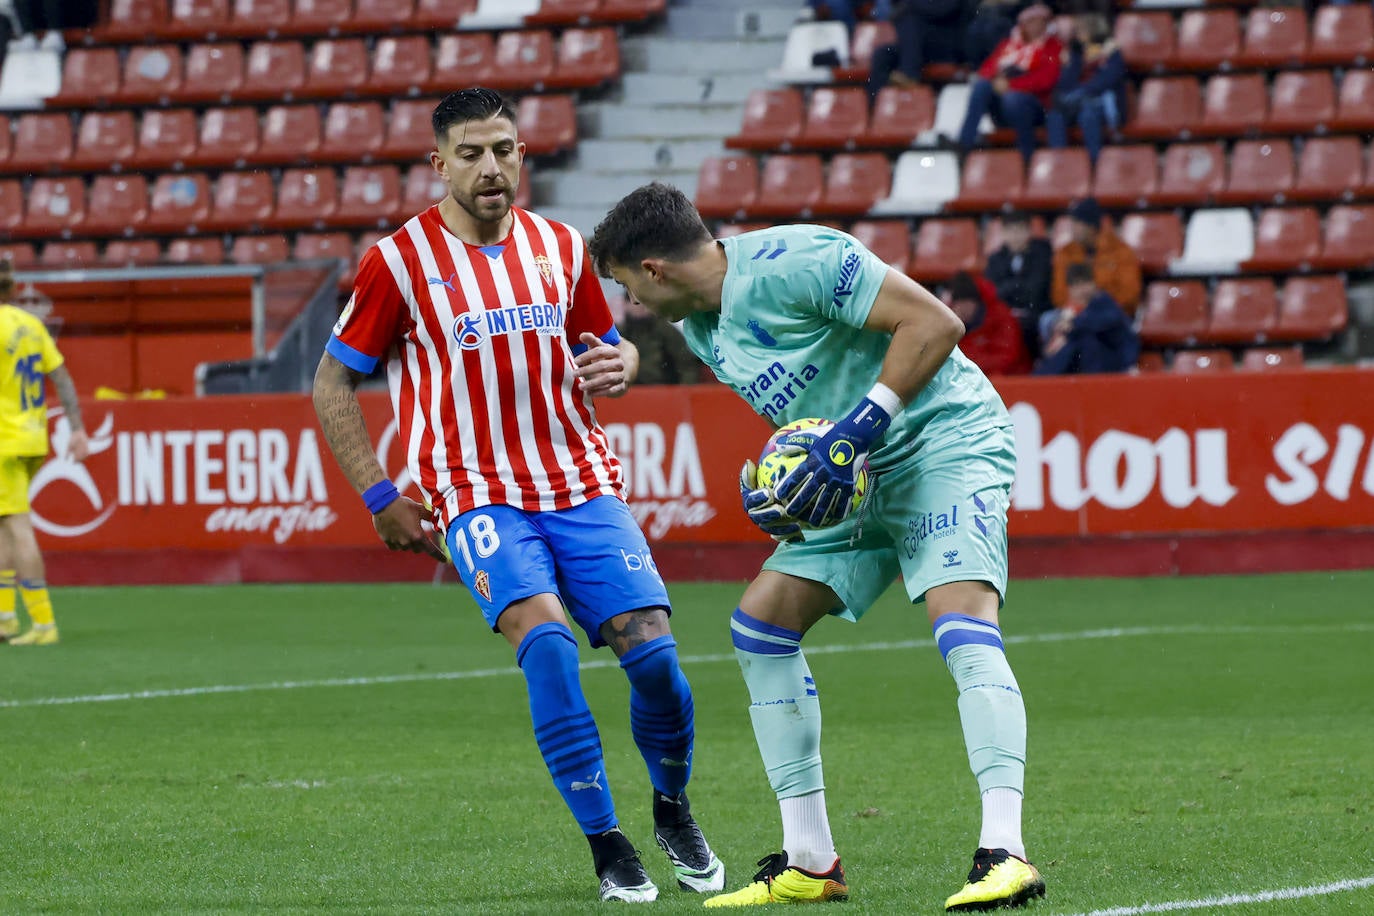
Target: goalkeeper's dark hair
column 653, row 221
column 475, row 104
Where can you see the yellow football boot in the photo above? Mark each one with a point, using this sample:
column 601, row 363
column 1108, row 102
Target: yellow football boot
column 777, row 882
column 9, row 627
column 997, row 880
column 37, row 636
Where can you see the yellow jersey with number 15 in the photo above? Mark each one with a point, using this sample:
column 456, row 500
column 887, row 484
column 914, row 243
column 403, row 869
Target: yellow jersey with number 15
column 28, row 355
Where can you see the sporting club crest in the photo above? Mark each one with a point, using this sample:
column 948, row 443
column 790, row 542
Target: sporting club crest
column 545, row 268
column 482, row 582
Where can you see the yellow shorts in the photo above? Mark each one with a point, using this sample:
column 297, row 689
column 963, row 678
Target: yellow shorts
column 16, row 471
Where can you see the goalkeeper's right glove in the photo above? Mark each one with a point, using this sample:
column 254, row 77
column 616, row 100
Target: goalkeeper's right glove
column 763, row 508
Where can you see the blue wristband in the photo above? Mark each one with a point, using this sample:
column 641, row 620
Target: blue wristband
column 380, row 495
column 864, row 425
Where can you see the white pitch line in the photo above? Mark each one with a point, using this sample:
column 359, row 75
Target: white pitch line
column 1212, row 903
column 1105, row 633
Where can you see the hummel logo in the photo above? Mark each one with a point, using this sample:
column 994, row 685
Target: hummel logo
column 595, row 783
column 667, row 762
column 450, row 284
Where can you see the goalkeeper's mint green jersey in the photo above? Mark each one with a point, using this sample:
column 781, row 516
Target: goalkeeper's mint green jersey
column 789, row 338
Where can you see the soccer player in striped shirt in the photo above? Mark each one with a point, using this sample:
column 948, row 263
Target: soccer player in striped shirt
column 495, row 337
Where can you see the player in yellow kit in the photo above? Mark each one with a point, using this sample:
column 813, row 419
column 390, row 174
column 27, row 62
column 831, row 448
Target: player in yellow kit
column 28, row 358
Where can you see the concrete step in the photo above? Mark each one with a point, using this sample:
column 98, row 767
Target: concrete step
column 661, row 54
column 648, row 156
column 587, row 191
column 583, row 219
column 654, row 88
column 664, row 122
column 759, row 22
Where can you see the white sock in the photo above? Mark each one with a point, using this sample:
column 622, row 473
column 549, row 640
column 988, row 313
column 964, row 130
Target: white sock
column 806, row 832
column 1002, row 821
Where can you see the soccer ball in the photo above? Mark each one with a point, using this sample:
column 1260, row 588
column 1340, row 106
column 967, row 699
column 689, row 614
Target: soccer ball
column 774, row 464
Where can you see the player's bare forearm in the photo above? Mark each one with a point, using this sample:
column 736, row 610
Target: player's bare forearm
column 924, row 334
column 66, row 395
column 341, row 418
column 630, row 353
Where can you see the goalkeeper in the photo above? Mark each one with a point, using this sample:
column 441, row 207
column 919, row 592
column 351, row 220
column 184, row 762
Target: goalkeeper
column 803, row 321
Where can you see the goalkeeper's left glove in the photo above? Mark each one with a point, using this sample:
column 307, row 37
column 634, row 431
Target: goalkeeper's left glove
column 763, row 509
column 820, row 490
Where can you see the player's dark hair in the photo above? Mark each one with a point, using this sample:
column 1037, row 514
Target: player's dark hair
column 1016, row 218
column 962, row 287
column 653, row 221
column 475, row 104
column 1082, row 272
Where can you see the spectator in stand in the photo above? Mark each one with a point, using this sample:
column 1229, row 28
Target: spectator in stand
column 1014, row 83
column 1115, row 265
column 1020, row 269
column 928, row 31
column 1092, row 334
column 992, row 336
column 1092, row 87
column 664, row 358
column 991, row 23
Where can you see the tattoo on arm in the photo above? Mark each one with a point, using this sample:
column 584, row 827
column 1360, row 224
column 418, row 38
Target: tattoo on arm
column 66, row 393
column 341, row 418
column 625, row 631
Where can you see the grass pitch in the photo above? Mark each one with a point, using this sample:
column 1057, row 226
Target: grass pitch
column 306, row 749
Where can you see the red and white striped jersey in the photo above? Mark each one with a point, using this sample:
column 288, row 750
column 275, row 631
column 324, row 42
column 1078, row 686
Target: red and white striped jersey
column 478, row 345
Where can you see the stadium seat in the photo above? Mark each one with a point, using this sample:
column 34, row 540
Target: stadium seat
column 290, row 134
column 214, row 73
column 306, row 198
column 1342, row 35
column 773, row 120
column 311, row 246
column 90, row 78
column 199, row 250
column 1150, row 361
column 586, row 59
column 166, row 139
column 1146, row 39
column 259, row 18
column 370, row 196
column 422, row 189
column 943, row 247
column 179, row 203
column 922, row 182
column 1174, row 313
column 804, row 41
column 835, row 118
column 444, row 14
column 548, row 123
column 900, row 115
column 1348, row 242
column 6, row 140
column 1192, row 174
column 12, row 210
column 152, row 75
column 197, row 19
column 105, row 142
column 116, row 205
column 131, row 253
column 1233, row 105
column 353, row 132
column 321, row 17
column 400, row 65
column 1168, row 108
column 1207, row 39
column 631, row 10
column 727, row 186
column 1286, row 238
column 55, row 206
column 789, row 186
column 889, row 239
column 565, row 12
column 1243, row 311
column 1269, row 359
column 337, row 68
column 1303, row 102
column 371, row 17
column 869, row 35
column 409, row 134
column 463, row 59
column 1126, row 176
column 243, row 201
column 1261, row 172
column 21, row 255
column 132, row 21
column 1330, row 168
column 1312, row 308
column 229, row 138
column 854, row 183
column 42, row 142
column 498, row 14
column 1193, row 362
column 68, row 255
column 273, row 72
column 522, row 60
column 260, row 249
column 1216, row 241
column 1157, row 238
column 1056, row 178
column 992, row 179
column 1355, row 107
column 1274, row 37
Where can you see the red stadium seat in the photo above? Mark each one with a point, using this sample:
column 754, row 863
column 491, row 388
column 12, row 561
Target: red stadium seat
column 773, row 120
column 1243, row 311
column 992, row 179
column 55, row 206
column 1146, row 39
column 1269, row 359
column 131, row 253
column 370, row 196
column 6, row 141
column 274, row 71
column 900, row 114
column 321, row 17
column 441, row 14
column 258, row 18
column 727, row 186
column 1056, row 178
column 1150, row 361
column 1348, row 243
column 789, row 186
column 117, row 205
column 1355, row 108
column 631, row 10
column 400, row 65
column 203, row 250
column 835, row 118
column 306, row 198
column 179, row 203
column 229, row 137
column 587, row 58
column 1286, row 239
column 152, row 75
column 943, row 247
column 132, row 21
column 1330, row 168
column 338, row 67
column 1342, row 35
column 1193, row 173
column 1232, row 105
column 1274, row 37
column 522, row 60
column 197, row 19
column 12, row 210
column 1261, row 172
column 854, row 183
column 1312, row 308
column 409, row 134
column 21, row 255
column 214, row 73
column 353, row 132
column 68, row 255
column 869, row 36
column 1174, row 312
column 42, row 143
column 166, row 139
column 260, row 249
column 548, row 123
column 90, row 77
column 889, row 239
column 312, row 246
column 423, row 188
column 1193, row 362
column 1168, row 108
column 374, row 16
column 1157, row 238
column 1126, row 176
column 105, row 142
column 290, row 133
column 243, row 201
column 1207, row 38
column 1303, row 102
column 565, row 12
column 464, row 59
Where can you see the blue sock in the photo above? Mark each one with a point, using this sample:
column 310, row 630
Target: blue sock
column 661, row 713
column 563, row 725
